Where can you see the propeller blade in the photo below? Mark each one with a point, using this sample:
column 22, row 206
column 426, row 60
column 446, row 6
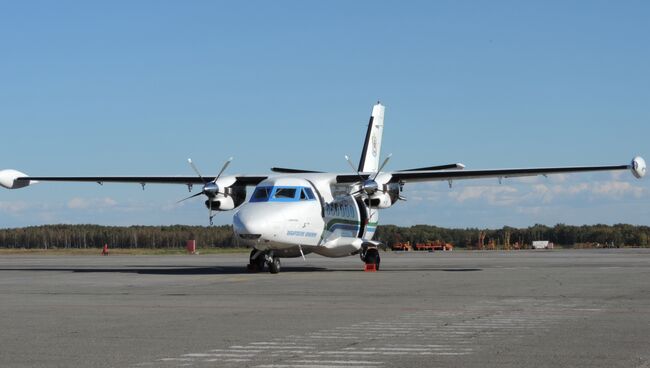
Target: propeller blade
column 196, row 170
column 210, row 211
column 190, row 197
column 225, row 165
column 382, row 166
column 353, row 168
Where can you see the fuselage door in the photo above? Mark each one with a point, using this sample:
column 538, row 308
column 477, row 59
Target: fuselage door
column 363, row 216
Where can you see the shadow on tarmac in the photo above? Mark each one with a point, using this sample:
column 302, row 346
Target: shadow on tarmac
column 222, row 270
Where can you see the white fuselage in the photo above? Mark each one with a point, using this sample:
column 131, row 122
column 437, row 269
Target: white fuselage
column 293, row 215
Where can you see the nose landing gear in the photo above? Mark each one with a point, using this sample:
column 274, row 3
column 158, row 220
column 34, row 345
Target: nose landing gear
column 274, row 265
column 258, row 259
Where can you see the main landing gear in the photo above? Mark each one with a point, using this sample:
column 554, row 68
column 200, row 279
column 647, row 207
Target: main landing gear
column 258, row 259
column 370, row 256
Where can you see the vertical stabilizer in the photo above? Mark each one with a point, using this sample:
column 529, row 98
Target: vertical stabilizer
column 369, row 161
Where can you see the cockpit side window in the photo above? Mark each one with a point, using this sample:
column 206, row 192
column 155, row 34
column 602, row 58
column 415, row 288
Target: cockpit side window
column 261, row 194
column 310, row 193
column 303, row 195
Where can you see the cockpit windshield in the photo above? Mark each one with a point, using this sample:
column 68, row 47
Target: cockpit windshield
column 282, row 194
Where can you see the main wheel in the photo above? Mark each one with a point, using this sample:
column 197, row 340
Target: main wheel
column 257, row 264
column 274, row 266
column 372, row 257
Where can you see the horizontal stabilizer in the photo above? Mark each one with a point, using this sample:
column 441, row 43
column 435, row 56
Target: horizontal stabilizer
column 457, row 166
column 284, row 170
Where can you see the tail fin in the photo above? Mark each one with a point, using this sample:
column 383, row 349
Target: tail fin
column 369, row 161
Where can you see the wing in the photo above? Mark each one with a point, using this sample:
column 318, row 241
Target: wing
column 187, row 180
column 421, row 176
column 637, row 166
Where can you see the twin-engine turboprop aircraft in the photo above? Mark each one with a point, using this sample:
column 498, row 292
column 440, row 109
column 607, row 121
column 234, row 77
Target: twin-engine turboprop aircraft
column 295, row 212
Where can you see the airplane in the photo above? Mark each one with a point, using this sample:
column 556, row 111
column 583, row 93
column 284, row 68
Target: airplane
column 294, row 212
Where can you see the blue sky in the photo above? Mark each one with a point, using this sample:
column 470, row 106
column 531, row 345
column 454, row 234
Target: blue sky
column 134, row 88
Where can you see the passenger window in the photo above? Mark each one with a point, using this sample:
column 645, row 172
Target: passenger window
column 285, row 193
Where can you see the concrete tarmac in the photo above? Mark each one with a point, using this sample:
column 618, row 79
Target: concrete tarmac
column 560, row 308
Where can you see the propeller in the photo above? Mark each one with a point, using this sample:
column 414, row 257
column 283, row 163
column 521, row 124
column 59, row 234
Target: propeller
column 368, row 186
column 210, row 188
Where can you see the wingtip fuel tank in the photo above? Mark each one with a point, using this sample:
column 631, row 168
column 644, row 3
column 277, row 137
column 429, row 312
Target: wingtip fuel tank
column 8, row 179
column 638, row 167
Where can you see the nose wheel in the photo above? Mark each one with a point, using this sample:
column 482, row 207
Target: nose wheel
column 274, row 265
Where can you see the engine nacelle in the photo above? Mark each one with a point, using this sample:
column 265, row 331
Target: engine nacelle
column 8, row 179
column 234, row 197
column 385, row 198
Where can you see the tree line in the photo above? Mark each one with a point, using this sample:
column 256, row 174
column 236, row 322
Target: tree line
column 95, row 236
column 175, row 236
column 560, row 234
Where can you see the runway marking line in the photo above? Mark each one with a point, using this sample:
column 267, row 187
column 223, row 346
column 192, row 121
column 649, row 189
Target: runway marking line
column 309, row 366
column 458, row 329
column 338, row 361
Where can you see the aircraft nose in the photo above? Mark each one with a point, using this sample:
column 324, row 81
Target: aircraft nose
column 249, row 226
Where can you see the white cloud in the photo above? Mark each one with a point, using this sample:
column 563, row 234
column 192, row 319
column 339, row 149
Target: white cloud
column 78, row 203
column 618, row 175
column 14, row 207
column 535, row 210
column 526, row 179
column 558, row 178
column 617, row 189
column 601, row 189
column 495, row 195
column 521, row 194
column 571, row 190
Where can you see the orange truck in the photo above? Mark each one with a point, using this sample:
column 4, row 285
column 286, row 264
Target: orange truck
column 402, row 247
column 435, row 245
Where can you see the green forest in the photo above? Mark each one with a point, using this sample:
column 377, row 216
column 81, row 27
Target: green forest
column 175, row 236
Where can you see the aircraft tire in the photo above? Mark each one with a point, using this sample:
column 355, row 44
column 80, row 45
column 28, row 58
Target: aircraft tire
column 260, row 262
column 274, row 266
column 256, row 265
column 372, row 257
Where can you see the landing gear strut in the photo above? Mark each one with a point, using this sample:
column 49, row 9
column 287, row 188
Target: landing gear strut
column 371, row 256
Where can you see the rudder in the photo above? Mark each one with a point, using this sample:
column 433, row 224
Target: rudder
column 370, row 154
